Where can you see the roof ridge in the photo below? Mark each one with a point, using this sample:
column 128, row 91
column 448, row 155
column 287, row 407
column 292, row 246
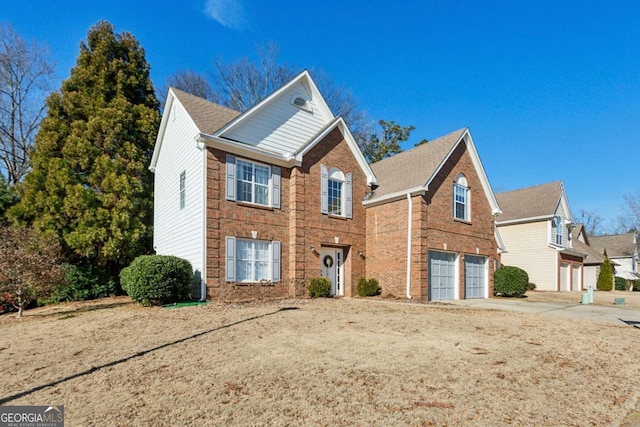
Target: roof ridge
column 182, row 92
column 532, row 186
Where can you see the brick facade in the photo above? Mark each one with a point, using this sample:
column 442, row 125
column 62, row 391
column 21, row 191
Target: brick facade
column 299, row 224
column 433, row 228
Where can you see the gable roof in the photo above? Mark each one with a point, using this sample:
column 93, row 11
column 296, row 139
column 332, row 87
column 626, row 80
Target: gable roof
column 413, row 170
column 531, row 203
column 207, row 116
column 218, row 126
column 593, row 257
column 616, row 245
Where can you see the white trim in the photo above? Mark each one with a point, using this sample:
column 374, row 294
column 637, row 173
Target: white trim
column 395, row 196
column 523, row 220
column 248, row 151
column 303, row 78
column 203, row 273
column 351, row 142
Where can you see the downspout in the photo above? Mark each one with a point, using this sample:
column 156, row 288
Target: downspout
column 203, row 273
column 410, row 218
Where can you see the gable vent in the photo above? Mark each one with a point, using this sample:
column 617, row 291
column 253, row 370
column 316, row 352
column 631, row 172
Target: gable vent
column 301, row 102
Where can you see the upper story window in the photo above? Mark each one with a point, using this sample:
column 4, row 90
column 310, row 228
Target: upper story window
column 251, row 182
column 336, row 192
column 183, row 186
column 461, row 196
column 557, row 226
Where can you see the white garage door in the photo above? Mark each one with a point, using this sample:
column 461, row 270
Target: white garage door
column 474, row 276
column 442, row 278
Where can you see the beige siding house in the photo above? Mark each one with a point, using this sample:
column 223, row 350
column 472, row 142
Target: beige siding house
column 536, row 228
column 622, row 250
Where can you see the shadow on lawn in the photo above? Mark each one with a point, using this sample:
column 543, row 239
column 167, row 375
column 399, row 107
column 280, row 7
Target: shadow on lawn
column 7, row 399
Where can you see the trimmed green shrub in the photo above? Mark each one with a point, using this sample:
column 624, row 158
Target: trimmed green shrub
column 509, row 281
column 157, row 279
column 84, row 282
column 605, row 278
column 368, row 288
column 636, row 285
column 319, row 287
column 621, row 284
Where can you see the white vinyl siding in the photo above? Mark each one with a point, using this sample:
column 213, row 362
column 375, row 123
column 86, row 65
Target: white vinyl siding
column 179, row 182
column 282, row 127
column 252, row 261
column 528, row 248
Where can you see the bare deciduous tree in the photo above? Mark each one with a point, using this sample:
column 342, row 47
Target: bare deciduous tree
column 193, row 83
column 29, row 266
column 630, row 219
column 25, row 76
column 591, row 221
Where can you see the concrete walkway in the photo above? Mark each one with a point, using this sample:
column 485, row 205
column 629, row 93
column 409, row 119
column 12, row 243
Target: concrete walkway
column 597, row 313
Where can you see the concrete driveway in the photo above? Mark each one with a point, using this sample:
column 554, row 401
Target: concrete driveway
column 596, row 313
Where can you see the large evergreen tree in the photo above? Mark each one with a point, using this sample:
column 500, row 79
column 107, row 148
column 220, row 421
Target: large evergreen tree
column 89, row 181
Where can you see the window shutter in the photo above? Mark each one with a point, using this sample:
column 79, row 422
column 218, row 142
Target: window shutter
column 324, row 190
column 275, row 186
column 231, row 178
column 231, row 259
column 349, row 199
column 275, row 261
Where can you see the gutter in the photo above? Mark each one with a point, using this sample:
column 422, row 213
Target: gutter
column 410, row 218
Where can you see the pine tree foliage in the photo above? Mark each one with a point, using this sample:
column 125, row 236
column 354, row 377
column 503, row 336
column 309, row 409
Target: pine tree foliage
column 605, row 278
column 89, row 181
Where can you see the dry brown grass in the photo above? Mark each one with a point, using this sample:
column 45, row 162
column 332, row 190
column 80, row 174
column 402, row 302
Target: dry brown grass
column 325, row 363
column 632, row 299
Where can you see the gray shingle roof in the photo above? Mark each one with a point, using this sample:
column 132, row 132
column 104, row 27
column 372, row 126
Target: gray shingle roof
column 617, row 245
column 593, row 256
column 413, row 168
column 530, row 202
column 208, row 116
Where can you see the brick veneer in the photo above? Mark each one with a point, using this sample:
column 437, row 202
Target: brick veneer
column 298, row 225
column 433, row 228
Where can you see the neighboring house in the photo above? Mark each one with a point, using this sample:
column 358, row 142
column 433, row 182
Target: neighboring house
column 260, row 202
column 535, row 227
column 622, row 250
column 593, row 260
column 430, row 224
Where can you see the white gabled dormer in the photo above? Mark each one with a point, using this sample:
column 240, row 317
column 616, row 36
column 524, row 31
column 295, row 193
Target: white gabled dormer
column 283, row 122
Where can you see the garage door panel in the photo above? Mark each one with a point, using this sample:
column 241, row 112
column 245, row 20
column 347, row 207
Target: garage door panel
column 475, row 276
column 441, row 275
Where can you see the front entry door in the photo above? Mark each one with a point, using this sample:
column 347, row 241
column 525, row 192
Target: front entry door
column 331, row 266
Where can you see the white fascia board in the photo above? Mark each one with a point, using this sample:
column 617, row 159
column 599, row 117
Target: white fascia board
column 247, row 151
column 484, row 180
column 163, row 126
column 395, row 196
column 351, row 142
column 303, row 78
column 523, row 220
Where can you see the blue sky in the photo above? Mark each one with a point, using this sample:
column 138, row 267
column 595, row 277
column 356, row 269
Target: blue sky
column 549, row 89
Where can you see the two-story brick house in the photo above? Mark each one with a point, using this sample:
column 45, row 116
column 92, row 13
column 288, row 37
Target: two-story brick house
column 263, row 200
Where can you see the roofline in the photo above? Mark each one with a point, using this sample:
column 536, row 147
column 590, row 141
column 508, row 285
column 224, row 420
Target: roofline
column 395, row 196
column 248, row 151
column 303, row 77
column 524, row 220
column 339, row 123
column 161, row 130
column 477, row 163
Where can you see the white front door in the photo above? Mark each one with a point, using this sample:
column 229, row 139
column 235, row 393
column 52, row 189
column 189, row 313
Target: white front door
column 331, row 264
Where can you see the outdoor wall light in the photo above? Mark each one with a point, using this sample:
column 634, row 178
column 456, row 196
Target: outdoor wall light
column 313, row 249
column 361, row 254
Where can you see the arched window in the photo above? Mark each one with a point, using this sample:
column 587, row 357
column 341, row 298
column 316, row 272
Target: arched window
column 461, row 199
column 336, row 192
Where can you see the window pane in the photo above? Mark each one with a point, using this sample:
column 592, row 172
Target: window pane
column 262, row 195
column 262, row 174
column 244, row 191
column 335, row 197
column 460, row 202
